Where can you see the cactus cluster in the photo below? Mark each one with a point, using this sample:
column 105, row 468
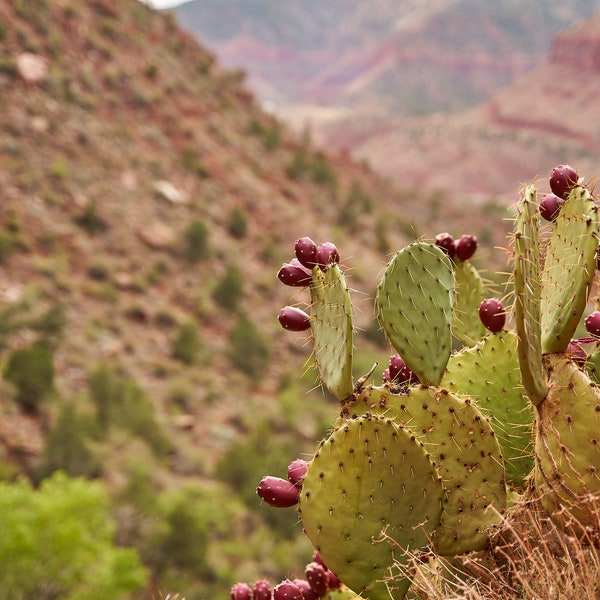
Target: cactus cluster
column 469, row 414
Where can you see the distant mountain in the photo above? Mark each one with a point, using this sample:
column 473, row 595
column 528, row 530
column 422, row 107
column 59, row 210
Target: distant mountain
column 385, row 57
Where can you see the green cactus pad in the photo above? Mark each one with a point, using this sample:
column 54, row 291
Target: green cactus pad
column 528, row 295
column 342, row 593
column 414, row 307
column 371, row 476
column 489, row 373
column 468, row 295
column 567, row 448
column 592, row 366
column 464, row 448
column 331, row 323
column 568, row 271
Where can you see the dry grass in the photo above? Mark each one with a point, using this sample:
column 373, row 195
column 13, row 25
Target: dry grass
column 529, row 558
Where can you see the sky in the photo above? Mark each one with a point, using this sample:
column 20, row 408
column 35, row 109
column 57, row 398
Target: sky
column 163, row 3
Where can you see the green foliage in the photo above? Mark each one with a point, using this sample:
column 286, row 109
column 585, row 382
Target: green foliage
column 187, row 343
column 57, row 542
column 229, row 290
column 197, row 242
column 238, row 223
column 357, row 203
column 68, row 447
column 7, row 246
column 315, row 166
column 90, row 220
column 270, row 134
column 249, row 349
column 31, row 371
column 120, row 402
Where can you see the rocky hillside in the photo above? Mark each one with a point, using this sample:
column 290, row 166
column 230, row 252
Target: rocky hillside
column 390, row 58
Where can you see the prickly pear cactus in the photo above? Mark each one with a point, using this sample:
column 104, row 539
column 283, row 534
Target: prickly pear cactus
column 468, row 295
column 331, row 325
column 369, row 478
column 414, row 308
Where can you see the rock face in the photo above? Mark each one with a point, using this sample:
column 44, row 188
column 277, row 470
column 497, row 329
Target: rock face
column 579, row 46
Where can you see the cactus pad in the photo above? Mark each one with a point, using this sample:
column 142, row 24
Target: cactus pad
column 569, row 268
column 331, row 323
column 463, row 447
column 371, row 476
column 528, row 295
column 489, row 373
column 468, row 295
column 567, row 448
column 414, row 307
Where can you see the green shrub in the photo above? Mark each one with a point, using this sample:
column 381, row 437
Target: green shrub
column 57, row 542
column 187, row 343
column 7, row 246
column 90, row 220
column 229, row 290
column 238, row 223
column 67, row 447
column 31, row 371
column 357, row 203
column 197, row 244
column 249, row 349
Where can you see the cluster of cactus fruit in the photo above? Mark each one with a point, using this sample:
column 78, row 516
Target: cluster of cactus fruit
column 469, row 415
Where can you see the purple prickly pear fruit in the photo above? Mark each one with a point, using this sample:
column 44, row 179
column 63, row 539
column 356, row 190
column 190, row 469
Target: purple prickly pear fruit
column 333, row 582
column 277, row 492
column 316, row 557
column 287, row 590
column 294, row 274
column 307, row 592
column 296, row 471
column 327, row 253
column 550, row 206
column 240, row 591
column 492, row 314
column 261, row 590
column 592, row 323
column 293, row 319
column 386, row 376
column 465, row 246
column 316, row 575
column 306, row 252
column 399, row 371
column 562, row 180
column 446, row 242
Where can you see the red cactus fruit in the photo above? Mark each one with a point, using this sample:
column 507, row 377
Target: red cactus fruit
column 240, row 591
column 261, row 590
column 446, row 242
column 492, row 314
column 399, row 371
column 550, row 206
column 277, row 492
column 465, row 246
column 562, row 180
column 307, row 592
column 592, row 323
column 316, row 557
column 294, row 274
column 287, row 590
column 306, row 252
column 316, row 575
column 296, row 471
column 334, row 582
column 327, row 253
column 386, row 376
column 293, row 319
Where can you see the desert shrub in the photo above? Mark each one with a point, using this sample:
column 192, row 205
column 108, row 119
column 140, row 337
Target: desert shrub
column 90, row 220
column 356, row 204
column 238, row 223
column 68, row 447
column 270, row 134
column 57, row 542
column 7, row 246
column 187, row 343
column 249, row 349
column 197, row 243
column 121, row 402
column 31, row 371
column 229, row 290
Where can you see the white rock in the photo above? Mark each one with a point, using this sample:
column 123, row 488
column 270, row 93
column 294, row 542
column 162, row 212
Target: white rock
column 32, row 68
column 169, row 192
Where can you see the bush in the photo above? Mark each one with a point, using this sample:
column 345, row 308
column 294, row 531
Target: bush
column 31, row 371
column 187, row 343
column 7, row 246
column 238, row 223
column 196, row 238
column 229, row 290
column 249, row 349
column 57, row 542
